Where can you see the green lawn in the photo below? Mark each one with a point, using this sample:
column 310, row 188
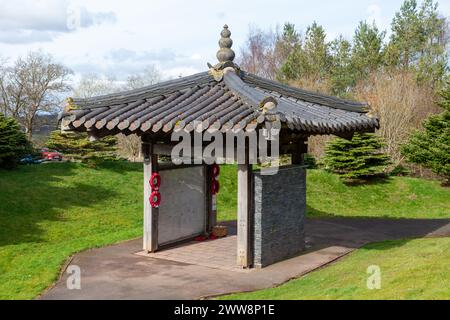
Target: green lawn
column 50, row 211
column 415, row 269
column 328, row 196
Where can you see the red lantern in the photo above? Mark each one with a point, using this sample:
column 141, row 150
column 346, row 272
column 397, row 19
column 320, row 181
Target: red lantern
column 155, row 199
column 215, row 186
column 215, row 170
column 155, row 181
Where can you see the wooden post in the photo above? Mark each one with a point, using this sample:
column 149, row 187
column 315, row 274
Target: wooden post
column 244, row 223
column 150, row 214
column 298, row 154
column 211, row 200
column 297, row 158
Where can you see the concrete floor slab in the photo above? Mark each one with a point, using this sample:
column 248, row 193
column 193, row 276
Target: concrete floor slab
column 117, row 272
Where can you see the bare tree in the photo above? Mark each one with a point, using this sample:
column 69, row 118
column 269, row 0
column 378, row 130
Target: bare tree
column 130, row 146
column 12, row 91
column 33, row 84
column 264, row 52
column 150, row 75
column 257, row 48
column 92, row 85
column 3, row 108
column 258, row 55
column 401, row 105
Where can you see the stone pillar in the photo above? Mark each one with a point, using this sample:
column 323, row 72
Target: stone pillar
column 279, row 215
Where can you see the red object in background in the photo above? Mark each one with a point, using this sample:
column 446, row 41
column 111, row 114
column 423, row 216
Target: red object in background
column 155, row 199
column 200, row 238
column 46, row 154
column 215, row 187
column 212, row 237
column 155, row 181
column 215, row 170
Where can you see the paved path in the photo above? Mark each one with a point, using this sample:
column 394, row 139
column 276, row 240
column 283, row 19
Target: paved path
column 117, row 272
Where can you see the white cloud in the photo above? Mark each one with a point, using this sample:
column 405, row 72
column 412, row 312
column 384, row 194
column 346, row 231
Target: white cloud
column 27, row 21
column 25, row 36
column 47, row 15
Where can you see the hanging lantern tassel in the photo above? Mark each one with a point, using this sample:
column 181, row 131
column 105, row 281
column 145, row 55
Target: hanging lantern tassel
column 155, row 199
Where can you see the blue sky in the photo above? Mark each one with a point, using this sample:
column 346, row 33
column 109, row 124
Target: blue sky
column 118, row 38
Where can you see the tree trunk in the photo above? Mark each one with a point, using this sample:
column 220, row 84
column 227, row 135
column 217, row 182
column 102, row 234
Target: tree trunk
column 29, row 127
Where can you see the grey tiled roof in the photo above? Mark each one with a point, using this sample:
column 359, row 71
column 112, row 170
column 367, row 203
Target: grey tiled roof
column 234, row 102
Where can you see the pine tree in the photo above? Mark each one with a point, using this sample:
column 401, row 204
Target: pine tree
column 431, row 147
column 76, row 146
column 342, row 78
column 360, row 157
column 311, row 59
column 367, row 55
column 419, row 42
column 13, row 143
column 407, row 36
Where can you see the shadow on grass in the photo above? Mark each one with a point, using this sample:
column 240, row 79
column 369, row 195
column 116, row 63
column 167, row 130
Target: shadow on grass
column 116, row 166
column 376, row 180
column 316, row 213
column 35, row 194
column 326, row 229
column 387, row 244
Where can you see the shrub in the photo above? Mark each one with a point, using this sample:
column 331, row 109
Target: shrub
column 360, row 157
column 431, row 147
column 76, row 146
column 310, row 161
column 13, row 143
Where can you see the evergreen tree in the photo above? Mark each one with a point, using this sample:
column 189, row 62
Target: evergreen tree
column 288, row 40
column 360, row 157
column 76, row 146
column 431, row 147
column 407, row 36
column 342, row 78
column 432, row 64
column 286, row 43
column 316, row 49
column 13, row 143
column 419, row 41
column 311, row 60
column 367, row 52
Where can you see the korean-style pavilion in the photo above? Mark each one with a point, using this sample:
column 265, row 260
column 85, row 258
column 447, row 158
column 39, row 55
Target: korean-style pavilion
column 224, row 99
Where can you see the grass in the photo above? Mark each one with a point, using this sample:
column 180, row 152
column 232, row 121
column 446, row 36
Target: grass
column 48, row 212
column 51, row 211
column 395, row 197
column 415, row 269
column 227, row 196
column 328, row 196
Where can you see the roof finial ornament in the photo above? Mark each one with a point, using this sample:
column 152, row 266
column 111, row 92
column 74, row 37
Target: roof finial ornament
column 225, row 52
column 225, row 55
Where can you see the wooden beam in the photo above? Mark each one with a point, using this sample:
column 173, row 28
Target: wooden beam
column 345, row 135
column 150, row 214
column 298, row 153
column 244, row 223
column 163, row 149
